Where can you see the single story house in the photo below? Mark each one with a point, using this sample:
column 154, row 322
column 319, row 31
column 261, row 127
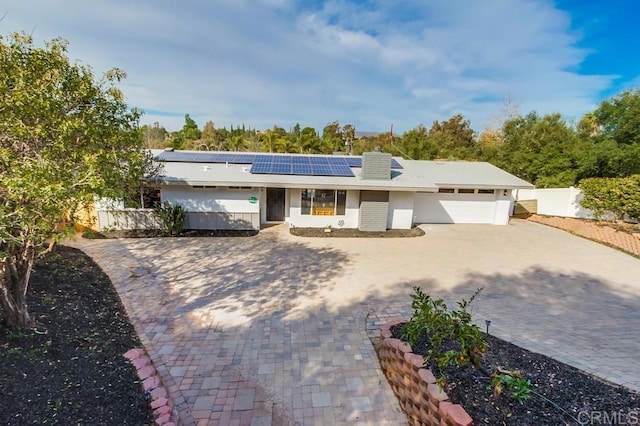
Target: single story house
column 372, row 192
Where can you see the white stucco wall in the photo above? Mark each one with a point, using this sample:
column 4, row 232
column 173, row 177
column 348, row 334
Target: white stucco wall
column 212, row 199
column 400, row 215
column 556, row 201
column 349, row 220
column 504, row 202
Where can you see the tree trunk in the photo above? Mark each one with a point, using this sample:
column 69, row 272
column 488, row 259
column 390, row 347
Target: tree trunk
column 14, row 280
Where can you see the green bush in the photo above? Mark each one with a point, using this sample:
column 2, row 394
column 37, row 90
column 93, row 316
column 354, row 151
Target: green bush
column 618, row 196
column 171, row 216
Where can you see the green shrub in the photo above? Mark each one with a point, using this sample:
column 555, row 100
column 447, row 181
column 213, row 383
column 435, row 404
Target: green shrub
column 171, row 216
column 432, row 317
column 618, row 196
column 456, row 341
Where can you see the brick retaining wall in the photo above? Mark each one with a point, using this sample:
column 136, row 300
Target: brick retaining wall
column 420, row 397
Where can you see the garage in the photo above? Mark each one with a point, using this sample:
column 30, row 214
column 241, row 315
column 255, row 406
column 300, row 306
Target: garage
column 459, row 206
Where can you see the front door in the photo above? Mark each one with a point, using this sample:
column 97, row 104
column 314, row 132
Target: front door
column 275, row 204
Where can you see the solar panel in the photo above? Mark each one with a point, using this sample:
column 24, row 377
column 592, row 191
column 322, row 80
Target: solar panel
column 260, row 168
column 320, row 170
column 318, row 160
column 301, row 169
column 300, row 159
column 341, row 170
column 280, row 169
column 177, row 156
column 353, row 161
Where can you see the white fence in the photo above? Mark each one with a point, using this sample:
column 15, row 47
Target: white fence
column 556, row 201
column 127, row 219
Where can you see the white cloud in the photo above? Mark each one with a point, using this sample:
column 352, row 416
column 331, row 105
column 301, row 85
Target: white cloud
column 280, row 62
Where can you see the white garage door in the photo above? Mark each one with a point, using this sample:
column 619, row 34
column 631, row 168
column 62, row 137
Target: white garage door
column 454, row 208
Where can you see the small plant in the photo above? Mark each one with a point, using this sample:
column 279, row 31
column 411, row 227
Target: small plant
column 89, row 234
column 14, row 351
column 456, row 341
column 54, row 405
column 171, row 216
column 518, row 386
column 451, row 328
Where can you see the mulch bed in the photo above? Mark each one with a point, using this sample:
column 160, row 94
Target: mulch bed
column 355, row 233
column 70, row 369
column 561, row 394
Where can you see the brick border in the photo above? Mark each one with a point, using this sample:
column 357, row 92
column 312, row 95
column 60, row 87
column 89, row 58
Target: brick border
column 420, row 397
column 594, row 231
column 162, row 406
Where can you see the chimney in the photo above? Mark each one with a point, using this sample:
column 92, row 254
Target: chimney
column 376, row 165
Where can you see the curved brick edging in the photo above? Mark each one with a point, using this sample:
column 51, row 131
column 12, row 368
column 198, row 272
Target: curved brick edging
column 161, row 404
column 629, row 243
column 420, row 397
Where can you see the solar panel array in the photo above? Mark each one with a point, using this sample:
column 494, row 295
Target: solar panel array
column 305, row 165
column 302, row 165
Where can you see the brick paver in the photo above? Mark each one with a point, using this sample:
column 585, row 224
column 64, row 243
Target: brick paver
column 276, row 329
column 601, row 233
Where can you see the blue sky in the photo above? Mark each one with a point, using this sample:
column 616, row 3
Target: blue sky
column 371, row 63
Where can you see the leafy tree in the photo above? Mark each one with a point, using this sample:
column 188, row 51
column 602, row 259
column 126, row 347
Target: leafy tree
column 236, row 143
column 184, row 137
column 208, row 138
column 309, row 140
column 331, row 137
column 588, row 125
column 454, row 137
column 154, row 136
column 64, row 137
column 417, row 145
column 541, row 150
column 619, row 117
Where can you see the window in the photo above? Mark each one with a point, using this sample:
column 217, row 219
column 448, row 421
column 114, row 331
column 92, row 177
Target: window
column 485, row 191
column 341, row 203
column 466, row 191
column 307, row 196
column 323, row 202
column 446, row 190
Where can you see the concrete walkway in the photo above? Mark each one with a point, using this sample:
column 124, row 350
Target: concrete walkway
column 272, row 329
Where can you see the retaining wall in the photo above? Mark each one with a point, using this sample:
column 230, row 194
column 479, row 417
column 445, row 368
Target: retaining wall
column 421, row 398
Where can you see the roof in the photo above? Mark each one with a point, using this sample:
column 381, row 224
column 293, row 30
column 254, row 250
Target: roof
column 463, row 174
column 424, row 176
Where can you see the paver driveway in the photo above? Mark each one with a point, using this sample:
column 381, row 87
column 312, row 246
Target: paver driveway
column 271, row 329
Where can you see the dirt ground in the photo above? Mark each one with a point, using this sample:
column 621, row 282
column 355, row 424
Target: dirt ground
column 70, row 368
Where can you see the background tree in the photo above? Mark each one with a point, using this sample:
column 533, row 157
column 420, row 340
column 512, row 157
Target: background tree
column 331, row 137
column 185, row 137
column 541, row 150
column 154, row 136
column 417, row 145
column 64, row 137
column 454, row 137
column 309, row 141
column 619, row 117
